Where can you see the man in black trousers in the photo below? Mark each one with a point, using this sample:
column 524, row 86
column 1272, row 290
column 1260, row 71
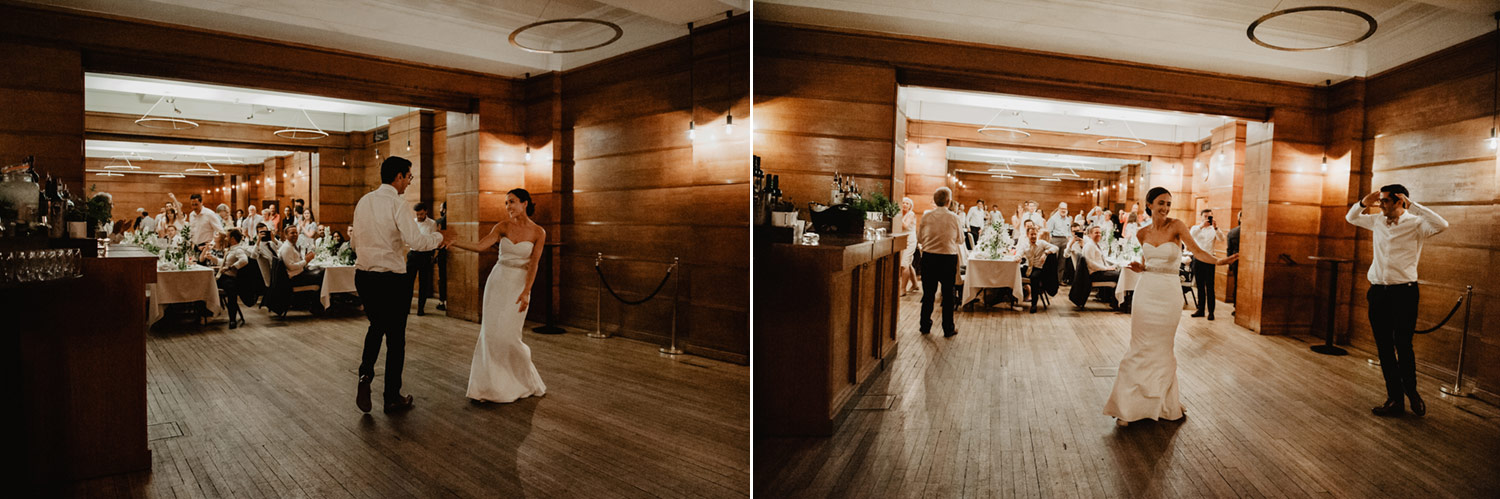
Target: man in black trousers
column 939, row 236
column 1205, row 234
column 383, row 229
column 419, row 263
column 1396, row 240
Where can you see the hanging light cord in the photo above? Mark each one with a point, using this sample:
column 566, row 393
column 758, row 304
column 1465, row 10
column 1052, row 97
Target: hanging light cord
column 153, row 107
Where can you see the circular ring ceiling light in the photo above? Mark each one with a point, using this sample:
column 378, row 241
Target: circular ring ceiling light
column 1369, row 20
column 1004, row 133
column 618, row 33
column 1120, row 143
column 313, row 133
column 164, row 123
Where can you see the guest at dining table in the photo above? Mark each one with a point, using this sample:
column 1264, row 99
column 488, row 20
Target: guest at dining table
column 235, row 258
column 248, row 223
column 222, row 210
column 1100, row 270
column 1035, row 257
column 203, row 222
column 295, row 263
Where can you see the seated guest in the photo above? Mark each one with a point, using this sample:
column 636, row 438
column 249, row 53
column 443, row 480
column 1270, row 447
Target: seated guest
column 235, row 258
column 266, row 248
column 1100, row 270
column 1035, row 254
column 296, row 264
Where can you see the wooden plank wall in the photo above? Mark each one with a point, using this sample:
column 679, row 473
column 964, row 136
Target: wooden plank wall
column 43, row 111
column 1012, row 192
column 1424, row 127
column 150, row 191
column 926, row 165
column 643, row 193
column 814, row 118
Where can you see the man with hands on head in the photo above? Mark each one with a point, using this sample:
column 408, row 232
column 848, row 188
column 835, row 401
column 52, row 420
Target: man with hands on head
column 1397, row 236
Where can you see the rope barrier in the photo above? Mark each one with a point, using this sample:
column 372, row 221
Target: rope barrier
column 659, row 286
column 1445, row 319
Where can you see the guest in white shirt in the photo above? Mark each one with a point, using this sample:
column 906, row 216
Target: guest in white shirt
column 386, row 229
column 265, row 251
column 419, row 263
column 1397, row 235
column 1034, row 214
column 144, row 223
column 1100, row 270
column 251, row 220
column 235, row 258
column 205, row 224
column 939, row 235
column 1035, row 254
column 295, row 262
column 976, row 219
column 1205, row 233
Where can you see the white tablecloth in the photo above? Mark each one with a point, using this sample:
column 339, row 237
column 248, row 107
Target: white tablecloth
column 992, row 274
column 183, row 286
column 337, row 279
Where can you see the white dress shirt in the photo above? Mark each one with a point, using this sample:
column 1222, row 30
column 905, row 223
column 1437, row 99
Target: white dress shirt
column 247, row 224
column 1093, row 256
column 1205, row 236
column 385, row 228
column 1058, row 225
column 205, row 224
column 236, row 258
column 1036, row 254
column 939, row 232
column 148, row 224
column 1398, row 246
column 295, row 262
column 976, row 216
column 427, row 226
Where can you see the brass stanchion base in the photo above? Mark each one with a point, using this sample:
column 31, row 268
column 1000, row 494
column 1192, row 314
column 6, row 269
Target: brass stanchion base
column 1373, row 362
column 670, row 350
column 597, row 334
column 1454, row 391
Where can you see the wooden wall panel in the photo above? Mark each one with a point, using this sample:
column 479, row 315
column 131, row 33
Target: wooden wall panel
column 643, row 193
column 43, row 111
column 1424, row 128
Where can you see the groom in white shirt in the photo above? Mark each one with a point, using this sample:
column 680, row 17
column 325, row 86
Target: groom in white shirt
column 976, row 219
column 1396, row 238
column 385, row 229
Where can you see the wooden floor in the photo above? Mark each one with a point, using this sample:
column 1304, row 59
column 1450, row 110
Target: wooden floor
column 267, row 410
column 1011, row 408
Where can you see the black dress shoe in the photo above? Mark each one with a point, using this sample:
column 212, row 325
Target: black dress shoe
column 1210, row 316
column 1418, row 407
column 1391, row 408
column 401, row 404
column 362, row 394
column 1198, row 314
column 420, row 312
column 950, row 334
column 441, row 306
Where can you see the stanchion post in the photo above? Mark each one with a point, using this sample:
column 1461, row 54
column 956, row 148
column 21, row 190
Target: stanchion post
column 676, row 288
column 598, row 301
column 1457, row 388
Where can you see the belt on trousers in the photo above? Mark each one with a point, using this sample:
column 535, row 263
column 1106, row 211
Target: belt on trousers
column 1412, row 284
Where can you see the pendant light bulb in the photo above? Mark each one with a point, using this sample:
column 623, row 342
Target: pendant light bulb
column 528, row 153
column 1493, row 141
column 692, row 132
column 408, row 145
column 728, row 124
column 1324, row 167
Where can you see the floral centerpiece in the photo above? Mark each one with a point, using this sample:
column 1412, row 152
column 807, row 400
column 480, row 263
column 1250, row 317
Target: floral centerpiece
column 178, row 254
column 331, row 252
column 995, row 241
column 144, row 240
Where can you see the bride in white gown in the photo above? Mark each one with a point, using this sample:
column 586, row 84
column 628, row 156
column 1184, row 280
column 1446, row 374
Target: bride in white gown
column 501, row 370
column 1146, row 386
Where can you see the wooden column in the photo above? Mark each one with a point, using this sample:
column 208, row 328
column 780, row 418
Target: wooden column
column 43, row 111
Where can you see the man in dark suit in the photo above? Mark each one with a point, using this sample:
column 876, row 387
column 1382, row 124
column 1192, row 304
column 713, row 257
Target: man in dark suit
column 1233, row 247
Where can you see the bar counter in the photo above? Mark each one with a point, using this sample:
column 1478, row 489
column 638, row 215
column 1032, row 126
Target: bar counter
column 76, row 353
column 825, row 322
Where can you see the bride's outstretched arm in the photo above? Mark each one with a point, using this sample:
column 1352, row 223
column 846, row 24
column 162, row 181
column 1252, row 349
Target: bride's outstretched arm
column 537, row 247
column 1205, row 256
column 489, row 241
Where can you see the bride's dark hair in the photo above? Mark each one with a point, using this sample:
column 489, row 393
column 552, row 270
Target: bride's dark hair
column 1151, row 196
column 525, row 197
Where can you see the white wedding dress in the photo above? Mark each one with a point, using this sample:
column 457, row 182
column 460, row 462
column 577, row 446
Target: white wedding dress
column 501, row 370
column 1146, row 385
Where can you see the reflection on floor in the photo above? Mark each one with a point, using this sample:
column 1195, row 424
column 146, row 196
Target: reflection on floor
column 1012, row 407
column 267, row 410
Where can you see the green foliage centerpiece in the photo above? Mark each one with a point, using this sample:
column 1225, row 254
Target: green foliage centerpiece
column 995, row 241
